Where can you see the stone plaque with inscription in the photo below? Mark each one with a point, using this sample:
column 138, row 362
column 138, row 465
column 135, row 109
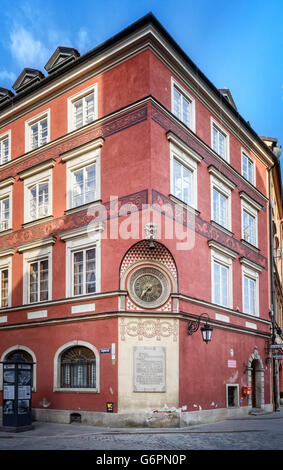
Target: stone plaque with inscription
column 149, row 369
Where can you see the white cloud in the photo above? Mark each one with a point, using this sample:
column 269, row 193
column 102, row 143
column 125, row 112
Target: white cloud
column 83, row 40
column 27, row 50
column 5, row 75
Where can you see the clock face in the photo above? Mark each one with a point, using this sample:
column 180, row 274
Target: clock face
column 149, row 287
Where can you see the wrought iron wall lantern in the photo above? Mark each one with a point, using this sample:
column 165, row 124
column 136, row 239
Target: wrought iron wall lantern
column 206, row 330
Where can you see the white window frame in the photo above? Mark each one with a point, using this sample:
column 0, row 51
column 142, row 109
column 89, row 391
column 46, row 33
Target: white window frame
column 78, row 96
column 6, row 263
column 219, row 128
column 29, row 123
column 6, row 191
column 246, row 155
column 4, row 136
column 33, row 252
column 251, row 271
column 189, row 159
column 57, row 368
column 251, row 208
column 189, row 98
column 82, row 250
column 33, row 176
column 81, row 158
column 38, row 261
column 223, row 186
column 79, row 240
column 224, row 257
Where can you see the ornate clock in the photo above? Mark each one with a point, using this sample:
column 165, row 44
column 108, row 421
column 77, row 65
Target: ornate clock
column 149, row 287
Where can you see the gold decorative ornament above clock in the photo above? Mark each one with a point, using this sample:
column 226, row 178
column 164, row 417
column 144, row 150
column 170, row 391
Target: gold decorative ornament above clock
column 149, row 287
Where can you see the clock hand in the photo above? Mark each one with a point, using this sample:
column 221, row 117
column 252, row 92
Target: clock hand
column 145, row 290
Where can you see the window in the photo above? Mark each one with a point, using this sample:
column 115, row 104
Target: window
column 83, row 264
column 4, row 273
column 219, row 140
column 38, row 134
column 37, row 131
column 39, row 200
column 248, row 168
column 220, row 207
column 37, row 270
column 84, row 185
column 220, row 284
column 221, row 274
column 84, row 272
column 183, row 105
column 250, row 286
column 183, row 179
column 221, row 188
column 249, row 227
column 38, row 191
column 83, row 174
column 249, row 295
column 82, row 108
column 183, row 171
column 5, row 148
column 250, row 210
column 6, row 191
column 38, row 281
column 4, row 213
column 78, row 368
column 6, row 278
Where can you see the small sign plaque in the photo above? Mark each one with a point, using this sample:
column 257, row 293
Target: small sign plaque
column 109, row 407
column 105, row 350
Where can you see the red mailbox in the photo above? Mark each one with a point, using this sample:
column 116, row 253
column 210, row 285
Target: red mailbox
column 246, row 391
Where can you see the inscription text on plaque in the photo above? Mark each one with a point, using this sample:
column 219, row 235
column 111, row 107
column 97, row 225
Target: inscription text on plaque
column 149, row 369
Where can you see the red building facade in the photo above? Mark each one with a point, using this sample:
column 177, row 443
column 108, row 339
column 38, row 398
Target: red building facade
column 134, row 198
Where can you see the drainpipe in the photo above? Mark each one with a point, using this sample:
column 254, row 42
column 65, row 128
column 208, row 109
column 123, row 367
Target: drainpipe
column 277, row 153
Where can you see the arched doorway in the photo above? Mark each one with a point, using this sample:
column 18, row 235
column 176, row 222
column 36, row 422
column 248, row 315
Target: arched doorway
column 256, row 380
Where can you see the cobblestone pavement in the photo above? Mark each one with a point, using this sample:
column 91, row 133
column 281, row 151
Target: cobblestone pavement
column 262, row 432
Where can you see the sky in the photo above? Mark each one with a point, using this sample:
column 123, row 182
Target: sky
column 237, row 44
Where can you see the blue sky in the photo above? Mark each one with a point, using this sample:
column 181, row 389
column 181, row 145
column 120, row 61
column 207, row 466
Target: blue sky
column 236, row 44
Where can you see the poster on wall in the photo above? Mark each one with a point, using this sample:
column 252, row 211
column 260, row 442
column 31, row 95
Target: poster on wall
column 8, row 392
column 9, row 376
column 8, row 407
column 23, row 407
